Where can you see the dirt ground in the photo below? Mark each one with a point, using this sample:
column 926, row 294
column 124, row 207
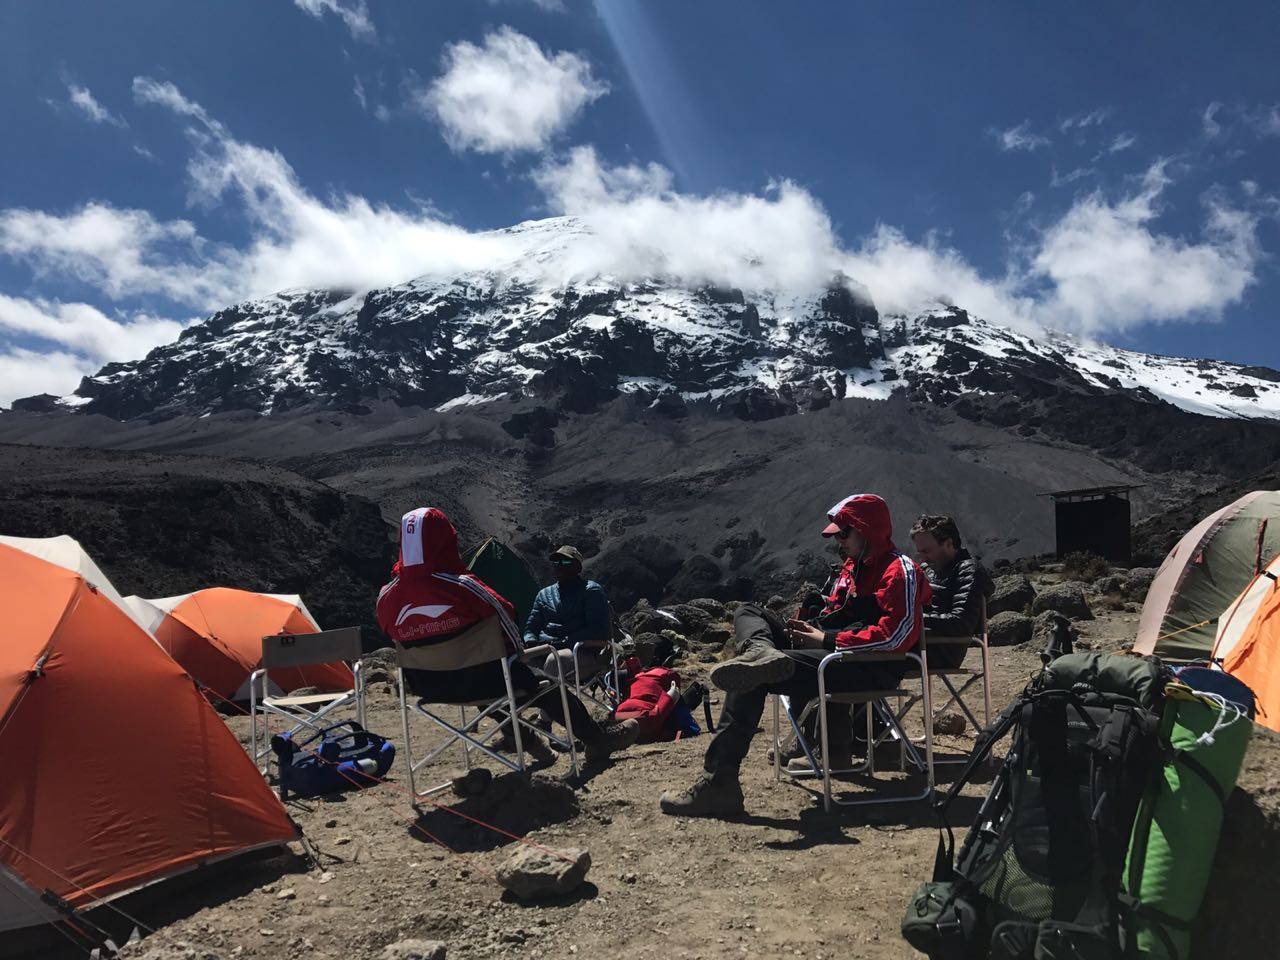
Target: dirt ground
column 785, row 880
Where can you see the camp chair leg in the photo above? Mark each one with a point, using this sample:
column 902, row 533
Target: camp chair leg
column 986, row 678
column 404, row 726
column 511, row 701
column 564, row 705
column 357, row 672
column 466, row 746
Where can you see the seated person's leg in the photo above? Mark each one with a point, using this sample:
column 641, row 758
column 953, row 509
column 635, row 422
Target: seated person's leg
column 717, row 792
column 759, row 637
column 599, row 739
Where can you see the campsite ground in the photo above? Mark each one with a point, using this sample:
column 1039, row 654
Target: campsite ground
column 785, row 880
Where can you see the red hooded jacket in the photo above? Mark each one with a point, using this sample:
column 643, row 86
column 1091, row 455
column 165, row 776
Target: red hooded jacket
column 649, row 703
column 897, row 583
column 431, row 595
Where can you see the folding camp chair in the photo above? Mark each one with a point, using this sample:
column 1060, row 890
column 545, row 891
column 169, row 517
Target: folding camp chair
column 875, row 702
column 972, row 674
column 308, row 710
column 483, row 643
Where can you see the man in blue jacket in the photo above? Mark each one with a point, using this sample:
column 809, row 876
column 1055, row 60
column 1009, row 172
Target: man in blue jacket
column 572, row 610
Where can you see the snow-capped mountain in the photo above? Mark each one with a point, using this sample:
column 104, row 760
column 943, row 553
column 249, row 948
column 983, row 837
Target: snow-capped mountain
column 452, row 342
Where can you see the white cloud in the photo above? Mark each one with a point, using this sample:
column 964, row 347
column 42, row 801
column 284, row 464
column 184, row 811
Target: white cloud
column 124, row 253
column 85, row 329
column 550, row 6
column 1264, row 121
column 1209, row 120
column 1080, row 121
column 84, row 101
column 507, row 95
column 1108, row 269
column 25, row 373
column 639, row 227
column 85, row 339
column 360, row 97
column 1019, row 138
column 1121, row 142
column 1100, row 269
column 1057, row 179
column 354, row 14
column 166, row 94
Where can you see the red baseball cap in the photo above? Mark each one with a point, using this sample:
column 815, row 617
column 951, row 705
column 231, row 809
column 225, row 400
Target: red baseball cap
column 831, row 529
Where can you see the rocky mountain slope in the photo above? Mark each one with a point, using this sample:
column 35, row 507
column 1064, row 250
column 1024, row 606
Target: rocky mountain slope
column 162, row 525
column 475, row 337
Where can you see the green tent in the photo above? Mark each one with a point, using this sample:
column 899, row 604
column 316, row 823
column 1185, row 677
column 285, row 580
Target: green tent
column 1202, row 576
column 505, row 571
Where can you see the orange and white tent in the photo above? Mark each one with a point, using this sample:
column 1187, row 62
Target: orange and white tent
column 1248, row 642
column 216, row 635
column 117, row 772
column 67, row 553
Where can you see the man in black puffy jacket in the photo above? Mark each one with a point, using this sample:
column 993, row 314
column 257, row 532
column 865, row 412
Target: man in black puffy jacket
column 959, row 584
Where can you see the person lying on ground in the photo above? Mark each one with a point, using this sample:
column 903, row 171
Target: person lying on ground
column 959, row 584
column 572, row 611
column 881, row 592
column 432, row 598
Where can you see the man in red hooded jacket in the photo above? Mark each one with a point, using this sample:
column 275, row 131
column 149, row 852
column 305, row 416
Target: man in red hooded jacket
column 432, row 598
column 873, row 603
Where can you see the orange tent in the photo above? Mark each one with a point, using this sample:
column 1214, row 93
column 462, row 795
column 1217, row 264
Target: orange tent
column 1248, row 642
column 216, row 634
column 117, row 772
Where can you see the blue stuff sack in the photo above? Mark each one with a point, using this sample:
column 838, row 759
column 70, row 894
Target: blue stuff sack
column 342, row 756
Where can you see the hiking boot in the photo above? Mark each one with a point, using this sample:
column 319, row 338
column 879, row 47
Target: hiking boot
column 841, row 759
column 534, row 746
column 790, row 750
column 612, row 737
column 711, row 795
column 756, row 666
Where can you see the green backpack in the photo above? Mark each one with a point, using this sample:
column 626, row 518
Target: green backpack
column 1038, row 874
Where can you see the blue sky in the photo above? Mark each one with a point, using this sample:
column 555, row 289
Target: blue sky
column 1108, row 169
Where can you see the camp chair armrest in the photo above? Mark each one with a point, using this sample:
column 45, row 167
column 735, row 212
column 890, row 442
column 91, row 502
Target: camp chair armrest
column 872, row 656
column 539, row 650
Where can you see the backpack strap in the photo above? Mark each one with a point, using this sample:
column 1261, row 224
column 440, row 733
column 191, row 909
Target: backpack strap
column 944, row 859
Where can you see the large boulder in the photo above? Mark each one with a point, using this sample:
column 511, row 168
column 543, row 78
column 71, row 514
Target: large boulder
column 533, row 873
column 1007, row 628
column 1013, row 592
column 714, row 607
column 645, row 618
column 694, row 621
column 1066, row 598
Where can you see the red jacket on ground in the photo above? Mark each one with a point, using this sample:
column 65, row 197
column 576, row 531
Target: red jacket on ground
column 431, row 595
column 899, row 586
column 649, row 703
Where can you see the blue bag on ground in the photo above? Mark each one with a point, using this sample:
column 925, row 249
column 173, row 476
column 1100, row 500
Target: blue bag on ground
column 342, row 756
